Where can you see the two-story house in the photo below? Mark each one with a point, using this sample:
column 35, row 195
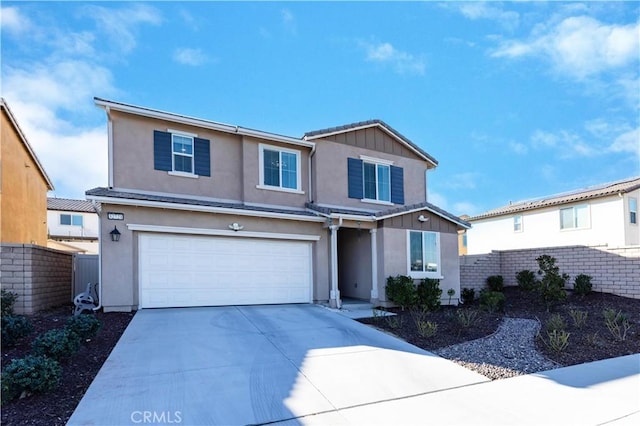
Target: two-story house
column 200, row 213
column 73, row 225
column 601, row 215
column 23, row 186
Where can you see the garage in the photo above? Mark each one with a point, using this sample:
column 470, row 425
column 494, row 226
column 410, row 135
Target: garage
column 186, row 270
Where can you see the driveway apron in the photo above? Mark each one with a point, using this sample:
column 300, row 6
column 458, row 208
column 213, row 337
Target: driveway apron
column 256, row 364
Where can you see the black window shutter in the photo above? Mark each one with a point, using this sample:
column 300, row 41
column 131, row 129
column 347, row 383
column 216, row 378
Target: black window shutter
column 397, row 185
column 354, row 175
column 161, row 150
column 202, row 154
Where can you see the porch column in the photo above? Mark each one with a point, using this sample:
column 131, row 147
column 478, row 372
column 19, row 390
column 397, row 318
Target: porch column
column 374, row 263
column 334, row 295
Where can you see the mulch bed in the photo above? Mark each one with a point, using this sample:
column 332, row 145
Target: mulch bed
column 56, row 407
column 591, row 342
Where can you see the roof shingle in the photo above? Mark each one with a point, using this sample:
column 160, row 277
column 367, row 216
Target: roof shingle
column 70, row 205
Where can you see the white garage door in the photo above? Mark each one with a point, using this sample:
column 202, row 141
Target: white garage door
column 184, row 270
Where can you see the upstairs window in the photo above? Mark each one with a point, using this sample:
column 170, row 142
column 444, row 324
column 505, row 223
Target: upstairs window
column 424, row 254
column 181, row 153
column 71, row 219
column 576, row 217
column 375, row 180
column 633, row 210
column 279, row 168
column 517, row 223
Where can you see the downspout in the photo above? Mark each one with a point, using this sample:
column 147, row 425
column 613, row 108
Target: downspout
column 109, row 147
column 313, row 151
column 95, row 207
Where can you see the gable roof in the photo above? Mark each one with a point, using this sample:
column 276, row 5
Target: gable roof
column 198, row 122
column 317, row 134
column 5, row 107
column 598, row 191
column 386, row 214
column 70, row 205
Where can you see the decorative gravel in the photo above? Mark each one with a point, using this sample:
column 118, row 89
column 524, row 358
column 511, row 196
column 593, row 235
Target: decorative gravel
column 509, row 352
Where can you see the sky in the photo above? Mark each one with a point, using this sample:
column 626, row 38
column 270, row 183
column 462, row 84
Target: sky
column 515, row 100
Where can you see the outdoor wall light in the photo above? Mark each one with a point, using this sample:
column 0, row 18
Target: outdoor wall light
column 115, row 234
column 236, row 227
column 421, row 218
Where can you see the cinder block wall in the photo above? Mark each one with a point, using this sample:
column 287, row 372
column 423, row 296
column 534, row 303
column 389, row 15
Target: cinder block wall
column 41, row 277
column 613, row 270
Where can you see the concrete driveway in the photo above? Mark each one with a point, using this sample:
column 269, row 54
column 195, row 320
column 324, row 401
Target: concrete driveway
column 257, row 364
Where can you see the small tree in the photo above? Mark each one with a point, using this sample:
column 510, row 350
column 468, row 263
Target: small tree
column 551, row 286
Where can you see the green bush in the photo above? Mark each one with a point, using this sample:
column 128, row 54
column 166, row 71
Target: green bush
column 468, row 296
column 467, row 317
column 551, row 286
column 7, row 300
column 31, row 374
column 556, row 323
column 426, row 329
column 85, row 326
column 579, row 317
column 401, row 290
column 558, row 340
column 57, row 344
column 617, row 323
column 492, row 301
column 495, row 283
column 14, row 327
column 526, row 280
column 428, row 294
column 582, row 285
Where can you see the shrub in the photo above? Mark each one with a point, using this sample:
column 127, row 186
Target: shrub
column 526, row 280
column 617, row 323
column 551, row 286
column 579, row 317
column 85, row 326
column 427, row 329
column 495, row 283
column 393, row 321
column 468, row 296
column 13, row 328
column 7, row 300
column 57, row 344
column 558, row 340
column 428, row 294
column 582, row 285
column 492, row 301
column 401, row 290
column 466, row 317
column 31, row 374
column 556, row 323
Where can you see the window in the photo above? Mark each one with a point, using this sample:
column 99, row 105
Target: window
column 633, row 210
column 375, row 180
column 182, row 152
column 71, row 219
column 424, row 254
column 575, row 217
column 279, row 168
column 517, row 223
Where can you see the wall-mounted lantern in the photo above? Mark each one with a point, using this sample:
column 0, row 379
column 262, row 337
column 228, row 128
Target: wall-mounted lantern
column 115, row 234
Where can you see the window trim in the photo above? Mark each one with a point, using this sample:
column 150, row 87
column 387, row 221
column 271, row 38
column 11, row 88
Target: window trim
column 520, row 223
column 633, row 214
column 192, row 155
column 424, row 274
column 280, row 150
column 575, row 218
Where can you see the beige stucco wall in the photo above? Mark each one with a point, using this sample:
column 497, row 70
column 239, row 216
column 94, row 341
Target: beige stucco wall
column 354, row 263
column 120, row 259
column 23, row 191
column 330, row 185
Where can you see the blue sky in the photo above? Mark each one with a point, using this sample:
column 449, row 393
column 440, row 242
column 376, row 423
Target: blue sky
column 514, row 99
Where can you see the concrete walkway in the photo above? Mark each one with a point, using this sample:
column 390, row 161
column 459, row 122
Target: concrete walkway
column 303, row 364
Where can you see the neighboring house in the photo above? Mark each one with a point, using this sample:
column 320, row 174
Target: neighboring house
column 206, row 213
column 73, row 225
column 23, row 186
column 606, row 214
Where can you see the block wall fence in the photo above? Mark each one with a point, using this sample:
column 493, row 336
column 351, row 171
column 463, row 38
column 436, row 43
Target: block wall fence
column 613, row 270
column 41, row 277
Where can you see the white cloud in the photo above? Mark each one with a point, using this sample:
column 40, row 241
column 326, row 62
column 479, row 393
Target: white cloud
column 579, row 46
column 627, row 142
column 465, row 180
column 289, row 21
column 566, row 144
column 483, row 10
column 402, row 62
column 187, row 56
column 465, row 207
column 518, row 148
column 13, row 21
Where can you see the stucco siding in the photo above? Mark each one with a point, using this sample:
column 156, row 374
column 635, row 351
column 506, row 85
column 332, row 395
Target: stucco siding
column 541, row 228
column 120, row 259
column 354, row 263
column 330, row 184
column 23, row 192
